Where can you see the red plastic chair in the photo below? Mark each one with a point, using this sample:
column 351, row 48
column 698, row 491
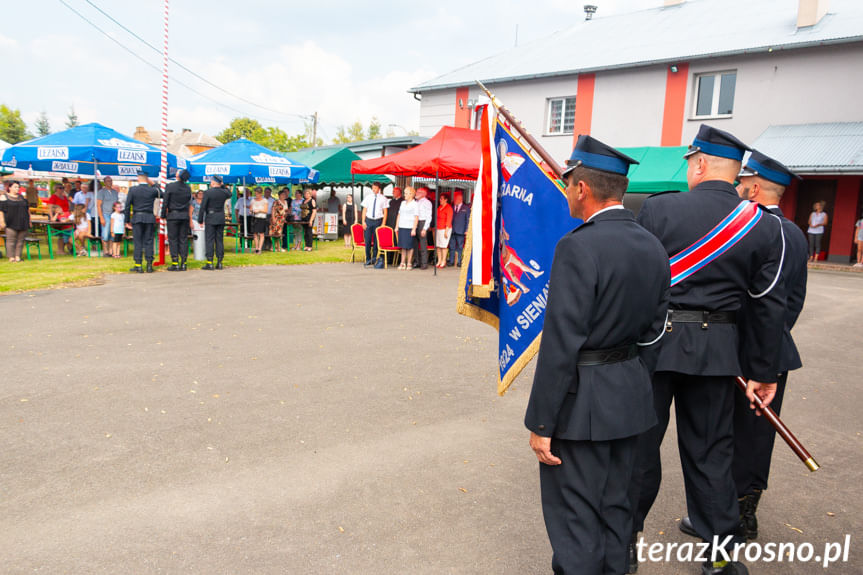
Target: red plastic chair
column 358, row 240
column 387, row 243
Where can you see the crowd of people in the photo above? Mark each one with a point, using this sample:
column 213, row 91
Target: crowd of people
column 279, row 222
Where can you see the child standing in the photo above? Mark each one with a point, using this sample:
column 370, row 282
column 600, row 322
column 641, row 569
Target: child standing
column 118, row 222
column 82, row 228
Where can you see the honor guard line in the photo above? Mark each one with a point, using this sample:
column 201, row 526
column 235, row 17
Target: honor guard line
column 534, row 146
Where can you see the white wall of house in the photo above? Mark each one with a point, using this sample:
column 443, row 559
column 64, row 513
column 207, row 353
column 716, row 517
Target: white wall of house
column 628, row 106
column 821, row 84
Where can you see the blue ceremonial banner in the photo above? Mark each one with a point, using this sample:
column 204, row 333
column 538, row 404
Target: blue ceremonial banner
column 532, row 215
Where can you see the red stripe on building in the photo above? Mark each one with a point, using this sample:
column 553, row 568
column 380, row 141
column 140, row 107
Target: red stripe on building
column 462, row 112
column 675, row 105
column 583, row 105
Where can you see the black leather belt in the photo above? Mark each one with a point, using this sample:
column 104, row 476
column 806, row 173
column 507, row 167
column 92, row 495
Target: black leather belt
column 704, row 317
column 609, row 355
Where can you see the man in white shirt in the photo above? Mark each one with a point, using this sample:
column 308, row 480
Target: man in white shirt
column 242, row 212
column 372, row 217
column 425, row 215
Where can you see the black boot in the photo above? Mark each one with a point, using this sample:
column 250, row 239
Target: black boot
column 219, row 265
column 149, row 266
column 173, row 267
column 632, row 551
column 137, row 269
column 687, row 527
column 183, row 265
column 730, row 568
column 748, row 506
column 208, row 266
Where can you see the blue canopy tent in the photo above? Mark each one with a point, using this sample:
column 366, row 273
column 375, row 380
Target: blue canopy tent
column 243, row 161
column 88, row 150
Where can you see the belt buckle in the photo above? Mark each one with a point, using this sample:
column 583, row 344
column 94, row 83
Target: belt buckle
column 668, row 326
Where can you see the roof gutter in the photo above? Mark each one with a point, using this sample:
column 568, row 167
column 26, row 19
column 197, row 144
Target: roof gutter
column 822, row 170
column 761, row 50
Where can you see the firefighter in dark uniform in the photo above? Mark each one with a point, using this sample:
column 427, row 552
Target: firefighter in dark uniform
column 212, row 214
column 698, row 357
column 764, row 180
column 175, row 209
column 141, row 201
column 591, row 393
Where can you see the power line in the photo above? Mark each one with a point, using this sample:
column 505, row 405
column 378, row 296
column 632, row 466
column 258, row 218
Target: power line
column 154, row 67
column 192, row 72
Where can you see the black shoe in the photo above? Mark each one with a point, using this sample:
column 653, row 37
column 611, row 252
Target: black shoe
column 173, row 268
column 450, row 264
column 219, row 265
column 633, row 554
column 687, row 527
column 731, row 568
column 149, row 266
column 183, row 266
column 137, row 269
column 748, row 506
column 208, row 266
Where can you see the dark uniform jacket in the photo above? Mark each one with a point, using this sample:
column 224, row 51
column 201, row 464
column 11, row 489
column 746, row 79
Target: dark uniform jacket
column 178, row 195
column 608, row 288
column 212, row 210
column 141, row 201
column 752, row 265
column 460, row 219
column 794, row 271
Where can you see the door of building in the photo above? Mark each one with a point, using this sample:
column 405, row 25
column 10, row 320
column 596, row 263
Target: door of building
column 809, row 192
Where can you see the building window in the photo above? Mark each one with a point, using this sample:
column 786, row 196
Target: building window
column 714, row 94
column 561, row 115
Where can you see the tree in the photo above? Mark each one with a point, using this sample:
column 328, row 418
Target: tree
column 239, row 128
column 43, row 128
column 353, row 133
column 374, row 132
column 71, row 118
column 12, row 127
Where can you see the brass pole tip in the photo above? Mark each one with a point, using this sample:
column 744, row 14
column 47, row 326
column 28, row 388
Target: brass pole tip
column 812, row 464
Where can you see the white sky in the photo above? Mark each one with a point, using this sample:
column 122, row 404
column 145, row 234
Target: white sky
column 347, row 60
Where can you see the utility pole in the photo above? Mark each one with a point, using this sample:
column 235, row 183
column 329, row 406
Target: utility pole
column 315, row 130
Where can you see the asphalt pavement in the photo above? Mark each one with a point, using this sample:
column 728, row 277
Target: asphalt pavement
column 335, row 419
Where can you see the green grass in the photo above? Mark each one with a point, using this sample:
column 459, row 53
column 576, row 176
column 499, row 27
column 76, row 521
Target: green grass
column 66, row 270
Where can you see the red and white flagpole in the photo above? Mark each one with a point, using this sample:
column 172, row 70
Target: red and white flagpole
column 163, row 171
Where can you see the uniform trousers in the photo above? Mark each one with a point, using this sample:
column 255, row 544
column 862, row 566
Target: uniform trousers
column 142, row 237
column 704, row 410
column 214, row 235
column 178, row 239
column 586, row 507
column 753, row 442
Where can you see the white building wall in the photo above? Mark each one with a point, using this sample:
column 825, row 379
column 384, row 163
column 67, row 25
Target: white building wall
column 822, row 84
column 628, row 106
column 786, row 87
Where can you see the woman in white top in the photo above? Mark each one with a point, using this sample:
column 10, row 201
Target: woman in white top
column 406, row 222
column 858, row 239
column 258, row 207
column 817, row 221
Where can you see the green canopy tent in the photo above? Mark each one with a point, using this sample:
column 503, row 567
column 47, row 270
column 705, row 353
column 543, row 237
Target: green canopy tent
column 658, row 170
column 334, row 166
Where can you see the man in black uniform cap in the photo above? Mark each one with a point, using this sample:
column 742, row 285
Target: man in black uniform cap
column 175, row 208
column 698, row 357
column 591, row 394
column 141, row 201
column 764, row 180
column 212, row 214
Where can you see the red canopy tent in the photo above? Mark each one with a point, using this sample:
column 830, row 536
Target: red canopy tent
column 451, row 154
